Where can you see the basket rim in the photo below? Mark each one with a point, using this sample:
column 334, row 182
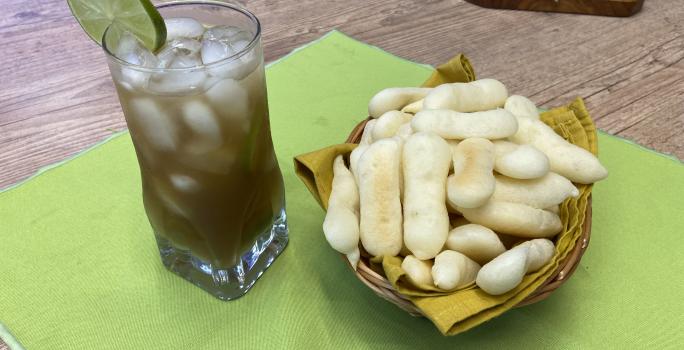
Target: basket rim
column 383, row 288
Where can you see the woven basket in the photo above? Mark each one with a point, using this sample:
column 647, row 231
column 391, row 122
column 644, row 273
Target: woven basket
column 383, row 288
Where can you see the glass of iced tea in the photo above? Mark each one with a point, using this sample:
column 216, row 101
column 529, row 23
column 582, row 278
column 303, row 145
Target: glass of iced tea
column 198, row 116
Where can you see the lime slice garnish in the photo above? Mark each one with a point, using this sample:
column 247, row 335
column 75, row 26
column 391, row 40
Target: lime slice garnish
column 139, row 17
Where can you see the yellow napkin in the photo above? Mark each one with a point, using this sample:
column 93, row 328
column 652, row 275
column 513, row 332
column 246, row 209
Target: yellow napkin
column 456, row 70
column 458, row 311
column 315, row 170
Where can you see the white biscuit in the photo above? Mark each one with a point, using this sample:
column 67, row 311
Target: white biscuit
column 413, row 107
column 575, row 163
column 418, row 272
column 540, row 253
column 453, row 270
column 492, row 124
column 394, row 99
column 476, row 242
column 479, row 95
column 388, row 124
column 472, row 182
column 544, row 192
column 380, row 205
column 514, row 219
column 519, row 161
column 426, row 159
column 505, row 272
column 367, row 136
column 521, row 107
column 341, row 224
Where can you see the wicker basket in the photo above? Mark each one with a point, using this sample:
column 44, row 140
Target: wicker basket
column 382, row 287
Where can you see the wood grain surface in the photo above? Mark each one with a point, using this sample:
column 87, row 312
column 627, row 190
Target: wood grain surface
column 56, row 97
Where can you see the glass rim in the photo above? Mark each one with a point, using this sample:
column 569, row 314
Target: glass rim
column 233, row 57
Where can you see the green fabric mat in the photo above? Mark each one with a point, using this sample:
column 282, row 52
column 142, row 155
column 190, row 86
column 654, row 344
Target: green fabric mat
column 79, row 267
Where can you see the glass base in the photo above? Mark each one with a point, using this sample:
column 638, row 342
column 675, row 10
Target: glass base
column 232, row 283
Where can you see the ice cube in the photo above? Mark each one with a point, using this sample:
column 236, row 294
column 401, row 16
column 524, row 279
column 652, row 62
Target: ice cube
column 210, row 82
column 132, row 51
column 183, row 54
column 215, row 50
column 183, row 27
column 220, row 32
column 236, row 67
column 248, row 58
column 202, row 121
column 239, row 45
column 182, row 79
column 176, row 48
column 168, row 197
column 231, row 101
column 156, row 127
column 185, row 62
column 228, row 92
column 132, row 79
column 184, row 183
column 226, row 34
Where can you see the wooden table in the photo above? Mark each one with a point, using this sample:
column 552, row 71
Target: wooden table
column 57, row 98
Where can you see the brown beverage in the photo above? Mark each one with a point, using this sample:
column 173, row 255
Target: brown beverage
column 212, row 188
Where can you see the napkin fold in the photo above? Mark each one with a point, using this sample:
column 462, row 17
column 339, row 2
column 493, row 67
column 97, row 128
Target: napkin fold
column 457, row 311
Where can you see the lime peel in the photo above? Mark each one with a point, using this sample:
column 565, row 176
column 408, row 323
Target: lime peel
column 139, row 17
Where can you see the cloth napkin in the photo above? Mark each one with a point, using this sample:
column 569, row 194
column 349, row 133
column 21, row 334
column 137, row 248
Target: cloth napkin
column 79, row 268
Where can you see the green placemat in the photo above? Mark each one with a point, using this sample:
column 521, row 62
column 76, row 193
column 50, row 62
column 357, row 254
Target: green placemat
column 79, row 267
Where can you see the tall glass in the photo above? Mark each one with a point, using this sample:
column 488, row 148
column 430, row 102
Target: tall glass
column 211, row 185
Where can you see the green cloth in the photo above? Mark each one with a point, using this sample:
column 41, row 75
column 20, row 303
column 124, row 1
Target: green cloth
column 79, row 267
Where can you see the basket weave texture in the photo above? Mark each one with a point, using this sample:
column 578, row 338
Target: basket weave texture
column 383, row 288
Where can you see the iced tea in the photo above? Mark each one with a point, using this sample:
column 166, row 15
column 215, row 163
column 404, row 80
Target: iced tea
column 197, row 113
